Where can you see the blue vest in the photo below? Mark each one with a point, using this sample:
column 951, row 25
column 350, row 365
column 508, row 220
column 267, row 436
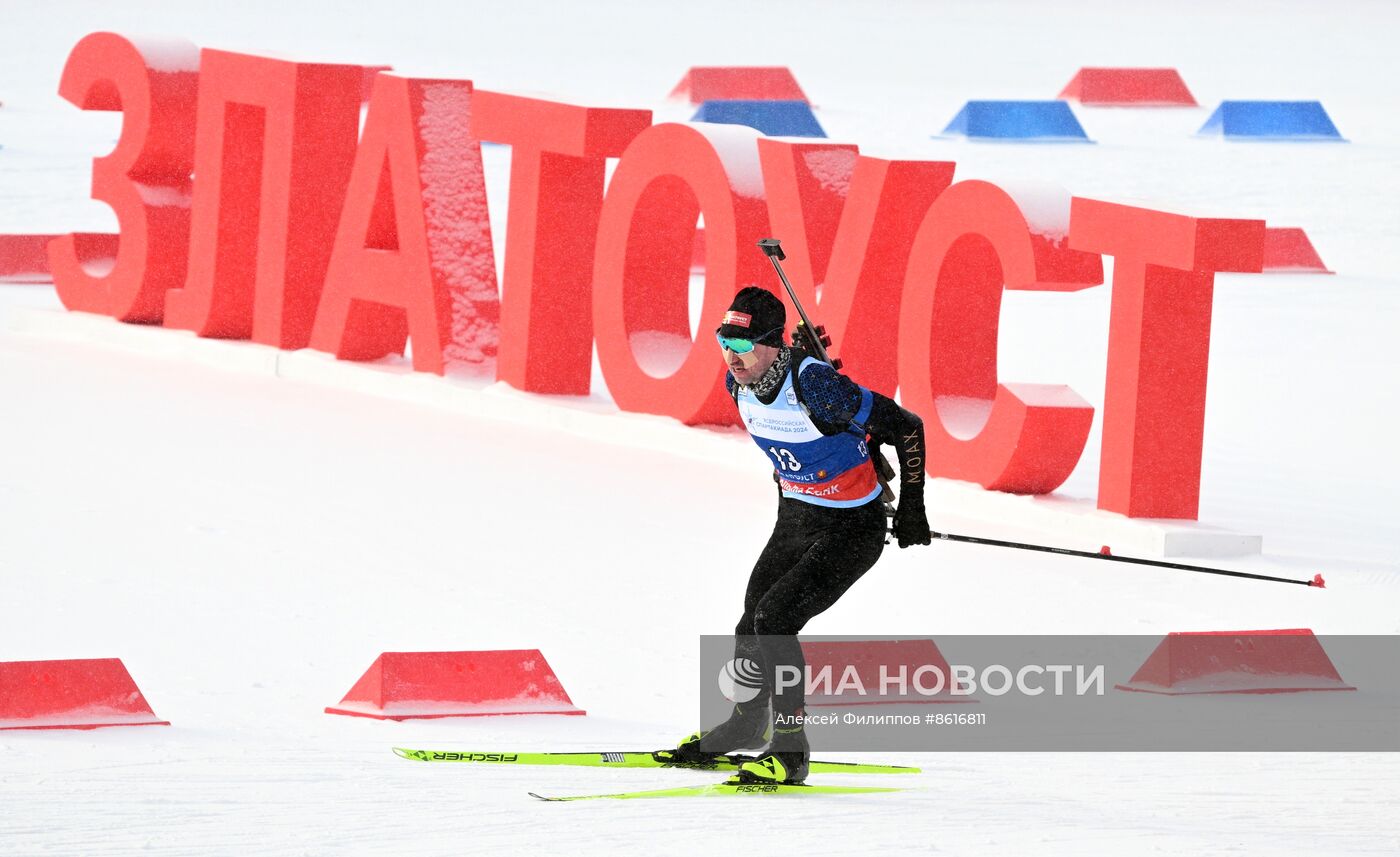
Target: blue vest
column 827, row 470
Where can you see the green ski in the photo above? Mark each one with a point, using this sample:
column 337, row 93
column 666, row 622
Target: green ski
column 729, row 789
column 657, row 759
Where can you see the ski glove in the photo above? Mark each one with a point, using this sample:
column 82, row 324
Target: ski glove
column 910, row 520
column 903, row 430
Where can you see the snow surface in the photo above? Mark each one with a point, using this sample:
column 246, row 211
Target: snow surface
column 164, row 54
column 248, row 544
column 832, row 168
column 456, row 215
column 1044, row 204
column 659, row 354
column 737, row 150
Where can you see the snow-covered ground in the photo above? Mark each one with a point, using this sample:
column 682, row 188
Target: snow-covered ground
column 248, row 544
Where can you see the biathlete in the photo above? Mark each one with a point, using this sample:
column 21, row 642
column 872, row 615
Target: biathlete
column 817, row 428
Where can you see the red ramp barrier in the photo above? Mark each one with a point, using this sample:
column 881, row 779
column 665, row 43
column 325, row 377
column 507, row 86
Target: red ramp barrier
column 1287, row 249
column 738, row 83
column 888, row 671
column 73, row 694
column 1193, row 662
column 419, row 685
column 25, row 258
column 1133, row 87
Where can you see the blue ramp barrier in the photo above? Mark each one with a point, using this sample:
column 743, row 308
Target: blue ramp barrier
column 1271, row 120
column 1018, row 121
column 774, row 118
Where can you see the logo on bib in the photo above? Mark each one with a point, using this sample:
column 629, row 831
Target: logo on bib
column 792, row 397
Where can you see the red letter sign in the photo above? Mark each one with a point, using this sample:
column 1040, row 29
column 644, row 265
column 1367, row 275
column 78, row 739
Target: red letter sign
column 807, row 185
column 558, row 155
column 276, row 140
column 413, row 252
column 146, row 178
column 1023, row 438
column 886, row 202
column 668, row 176
column 1158, row 347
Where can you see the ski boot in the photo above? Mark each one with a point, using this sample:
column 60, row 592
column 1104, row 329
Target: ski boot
column 748, row 728
column 786, row 761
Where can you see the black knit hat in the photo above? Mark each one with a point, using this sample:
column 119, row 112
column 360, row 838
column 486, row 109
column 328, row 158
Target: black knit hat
column 756, row 314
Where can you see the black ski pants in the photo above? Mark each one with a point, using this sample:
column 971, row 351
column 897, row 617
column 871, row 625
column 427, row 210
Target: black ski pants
column 814, row 555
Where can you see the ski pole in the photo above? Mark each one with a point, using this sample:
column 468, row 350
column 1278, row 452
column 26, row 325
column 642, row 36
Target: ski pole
column 773, row 249
column 1104, row 554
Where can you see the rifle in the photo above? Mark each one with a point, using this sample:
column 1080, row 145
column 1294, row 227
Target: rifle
column 815, row 335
